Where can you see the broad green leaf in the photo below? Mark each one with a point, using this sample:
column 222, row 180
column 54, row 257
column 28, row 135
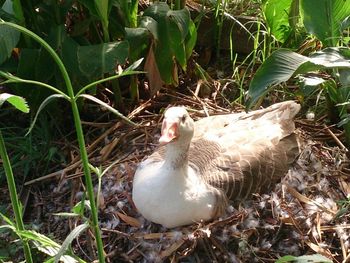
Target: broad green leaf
column 182, row 19
column 68, row 241
column 70, row 58
column 9, row 38
column 90, row 5
column 277, row 18
column 170, row 30
column 27, row 63
column 151, row 25
column 18, row 102
column 102, row 9
column 191, row 39
column 324, row 18
column 41, row 107
column 277, row 68
column 283, row 64
column 175, row 41
column 157, row 10
column 138, row 39
column 96, row 60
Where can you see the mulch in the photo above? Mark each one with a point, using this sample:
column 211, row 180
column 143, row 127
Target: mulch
column 305, row 214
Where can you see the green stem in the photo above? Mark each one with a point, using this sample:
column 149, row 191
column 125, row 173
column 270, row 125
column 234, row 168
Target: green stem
column 79, row 131
column 13, row 79
column 14, row 198
column 93, row 84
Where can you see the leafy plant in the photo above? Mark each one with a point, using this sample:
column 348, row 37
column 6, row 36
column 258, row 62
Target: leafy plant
column 165, row 36
column 20, row 104
column 56, row 252
column 72, row 97
column 335, row 61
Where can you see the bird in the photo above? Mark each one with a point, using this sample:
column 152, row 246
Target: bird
column 201, row 166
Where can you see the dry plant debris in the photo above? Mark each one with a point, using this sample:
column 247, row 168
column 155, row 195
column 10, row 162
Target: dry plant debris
column 305, row 214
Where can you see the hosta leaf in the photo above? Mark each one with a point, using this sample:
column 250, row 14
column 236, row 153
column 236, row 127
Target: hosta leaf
column 96, row 60
column 277, row 68
column 9, row 38
column 191, row 39
column 138, row 39
column 170, row 30
column 283, row 64
column 18, row 102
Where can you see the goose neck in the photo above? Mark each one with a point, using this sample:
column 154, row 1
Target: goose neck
column 176, row 155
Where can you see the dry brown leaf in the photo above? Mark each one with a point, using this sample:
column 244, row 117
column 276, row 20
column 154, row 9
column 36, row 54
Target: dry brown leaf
column 306, row 200
column 153, row 74
column 129, row 220
column 167, row 235
column 319, row 249
column 170, row 250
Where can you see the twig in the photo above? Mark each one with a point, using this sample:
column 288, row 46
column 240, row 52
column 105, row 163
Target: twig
column 340, row 144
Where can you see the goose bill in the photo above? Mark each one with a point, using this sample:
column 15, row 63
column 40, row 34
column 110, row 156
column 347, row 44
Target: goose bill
column 170, row 131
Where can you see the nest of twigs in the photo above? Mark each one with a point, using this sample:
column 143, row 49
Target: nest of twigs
column 302, row 215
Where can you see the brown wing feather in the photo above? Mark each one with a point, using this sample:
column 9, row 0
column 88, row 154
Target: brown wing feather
column 246, row 153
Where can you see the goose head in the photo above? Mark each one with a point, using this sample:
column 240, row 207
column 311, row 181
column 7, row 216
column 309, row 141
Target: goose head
column 177, row 127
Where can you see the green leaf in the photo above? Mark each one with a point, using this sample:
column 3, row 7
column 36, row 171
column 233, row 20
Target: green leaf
column 324, row 18
column 283, row 64
column 80, row 207
column 345, row 23
column 138, row 39
column 96, row 60
column 41, row 107
column 316, row 258
column 191, row 39
column 287, row 258
column 277, row 68
column 68, row 241
column 277, row 18
column 170, row 30
column 9, row 38
column 66, row 214
column 7, row 220
column 43, row 241
column 90, row 5
column 18, row 102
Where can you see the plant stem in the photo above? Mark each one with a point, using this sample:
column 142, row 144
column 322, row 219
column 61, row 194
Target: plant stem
column 79, row 131
column 14, row 198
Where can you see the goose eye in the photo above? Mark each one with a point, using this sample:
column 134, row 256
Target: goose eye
column 183, row 119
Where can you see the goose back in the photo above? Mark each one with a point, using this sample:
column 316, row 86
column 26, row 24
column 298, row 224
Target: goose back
column 243, row 153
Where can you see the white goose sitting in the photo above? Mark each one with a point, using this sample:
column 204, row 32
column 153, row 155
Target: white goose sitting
column 203, row 164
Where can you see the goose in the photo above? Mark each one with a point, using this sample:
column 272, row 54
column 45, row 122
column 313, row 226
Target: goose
column 200, row 166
